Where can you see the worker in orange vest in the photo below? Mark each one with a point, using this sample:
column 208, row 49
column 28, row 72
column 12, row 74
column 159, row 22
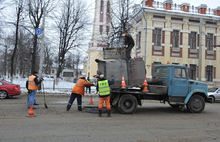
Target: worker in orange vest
column 78, row 91
column 32, row 86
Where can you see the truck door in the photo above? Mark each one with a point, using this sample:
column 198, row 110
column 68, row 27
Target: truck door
column 180, row 83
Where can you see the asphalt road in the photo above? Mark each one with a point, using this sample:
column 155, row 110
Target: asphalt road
column 153, row 122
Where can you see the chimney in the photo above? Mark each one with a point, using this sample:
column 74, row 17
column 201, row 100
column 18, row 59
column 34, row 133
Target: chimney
column 185, row 7
column 202, row 9
column 217, row 11
column 167, row 4
column 148, row 3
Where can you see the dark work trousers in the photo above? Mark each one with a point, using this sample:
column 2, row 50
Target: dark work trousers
column 128, row 51
column 79, row 101
column 89, row 89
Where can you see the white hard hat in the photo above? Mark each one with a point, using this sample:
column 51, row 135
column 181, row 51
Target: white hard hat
column 101, row 76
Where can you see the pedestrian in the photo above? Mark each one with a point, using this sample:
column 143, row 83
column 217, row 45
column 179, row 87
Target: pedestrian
column 32, row 87
column 129, row 44
column 88, row 87
column 103, row 86
column 77, row 92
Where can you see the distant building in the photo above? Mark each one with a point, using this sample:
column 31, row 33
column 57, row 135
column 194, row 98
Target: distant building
column 173, row 34
column 101, row 29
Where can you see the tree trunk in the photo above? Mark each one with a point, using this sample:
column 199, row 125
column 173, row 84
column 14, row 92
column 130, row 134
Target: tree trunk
column 16, row 45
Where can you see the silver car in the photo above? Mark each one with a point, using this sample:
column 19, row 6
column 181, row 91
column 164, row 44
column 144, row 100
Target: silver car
column 214, row 94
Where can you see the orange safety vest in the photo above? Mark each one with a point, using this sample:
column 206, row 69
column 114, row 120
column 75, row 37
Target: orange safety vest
column 79, row 88
column 31, row 84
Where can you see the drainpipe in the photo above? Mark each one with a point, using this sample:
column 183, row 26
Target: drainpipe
column 145, row 37
column 200, row 50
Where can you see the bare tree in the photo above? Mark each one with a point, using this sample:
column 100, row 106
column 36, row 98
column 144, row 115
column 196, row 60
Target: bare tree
column 20, row 8
column 119, row 19
column 48, row 61
column 73, row 19
column 7, row 43
column 77, row 60
column 36, row 10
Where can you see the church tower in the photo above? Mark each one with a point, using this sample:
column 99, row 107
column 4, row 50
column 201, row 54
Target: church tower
column 101, row 30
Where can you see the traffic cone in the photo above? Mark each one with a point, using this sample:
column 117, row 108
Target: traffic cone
column 145, row 86
column 31, row 112
column 123, row 85
column 91, row 101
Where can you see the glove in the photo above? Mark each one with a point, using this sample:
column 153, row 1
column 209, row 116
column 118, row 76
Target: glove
column 41, row 79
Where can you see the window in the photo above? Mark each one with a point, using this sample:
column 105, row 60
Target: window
column 101, row 7
column 183, row 73
column 100, row 29
column 192, row 39
column 107, row 29
column 209, row 41
column 192, row 71
column 139, row 40
column 67, row 74
column 52, row 71
column 209, row 73
column 157, row 37
column 1, row 83
column 101, row 10
column 177, row 72
column 175, row 38
column 108, row 11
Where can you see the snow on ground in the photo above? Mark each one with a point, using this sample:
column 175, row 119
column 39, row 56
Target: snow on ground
column 49, row 86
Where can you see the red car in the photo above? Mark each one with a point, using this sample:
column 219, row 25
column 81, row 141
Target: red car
column 8, row 89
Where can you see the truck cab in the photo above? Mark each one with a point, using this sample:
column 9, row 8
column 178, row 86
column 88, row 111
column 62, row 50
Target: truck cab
column 180, row 89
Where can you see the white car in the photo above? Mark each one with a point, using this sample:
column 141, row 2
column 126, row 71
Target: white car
column 214, row 94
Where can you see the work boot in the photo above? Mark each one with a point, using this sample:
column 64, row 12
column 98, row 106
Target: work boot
column 68, row 107
column 108, row 113
column 100, row 113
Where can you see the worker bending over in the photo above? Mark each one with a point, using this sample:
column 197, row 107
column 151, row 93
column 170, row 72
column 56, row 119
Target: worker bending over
column 78, row 91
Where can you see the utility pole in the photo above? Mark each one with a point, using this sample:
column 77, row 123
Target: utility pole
column 200, row 50
column 42, row 49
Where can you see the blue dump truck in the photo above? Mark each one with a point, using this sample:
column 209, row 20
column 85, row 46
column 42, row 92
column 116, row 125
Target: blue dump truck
column 169, row 83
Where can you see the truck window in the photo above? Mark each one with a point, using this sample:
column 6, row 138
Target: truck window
column 164, row 70
column 183, row 73
column 177, row 72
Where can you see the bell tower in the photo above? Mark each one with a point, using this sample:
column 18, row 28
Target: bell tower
column 101, row 30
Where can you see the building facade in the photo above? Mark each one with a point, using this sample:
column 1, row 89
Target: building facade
column 101, row 30
column 172, row 32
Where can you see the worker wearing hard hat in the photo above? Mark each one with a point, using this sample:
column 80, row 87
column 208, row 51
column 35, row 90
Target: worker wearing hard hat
column 104, row 93
column 128, row 43
column 78, row 91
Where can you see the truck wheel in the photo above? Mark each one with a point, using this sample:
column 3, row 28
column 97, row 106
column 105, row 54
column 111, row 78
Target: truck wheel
column 213, row 99
column 127, row 104
column 196, row 104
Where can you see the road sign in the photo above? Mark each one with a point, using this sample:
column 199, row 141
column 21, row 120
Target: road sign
column 38, row 31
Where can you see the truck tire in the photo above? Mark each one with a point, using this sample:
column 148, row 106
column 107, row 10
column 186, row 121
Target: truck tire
column 213, row 99
column 196, row 104
column 127, row 104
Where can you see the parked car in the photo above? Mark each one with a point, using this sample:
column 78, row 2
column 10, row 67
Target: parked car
column 8, row 89
column 214, row 94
